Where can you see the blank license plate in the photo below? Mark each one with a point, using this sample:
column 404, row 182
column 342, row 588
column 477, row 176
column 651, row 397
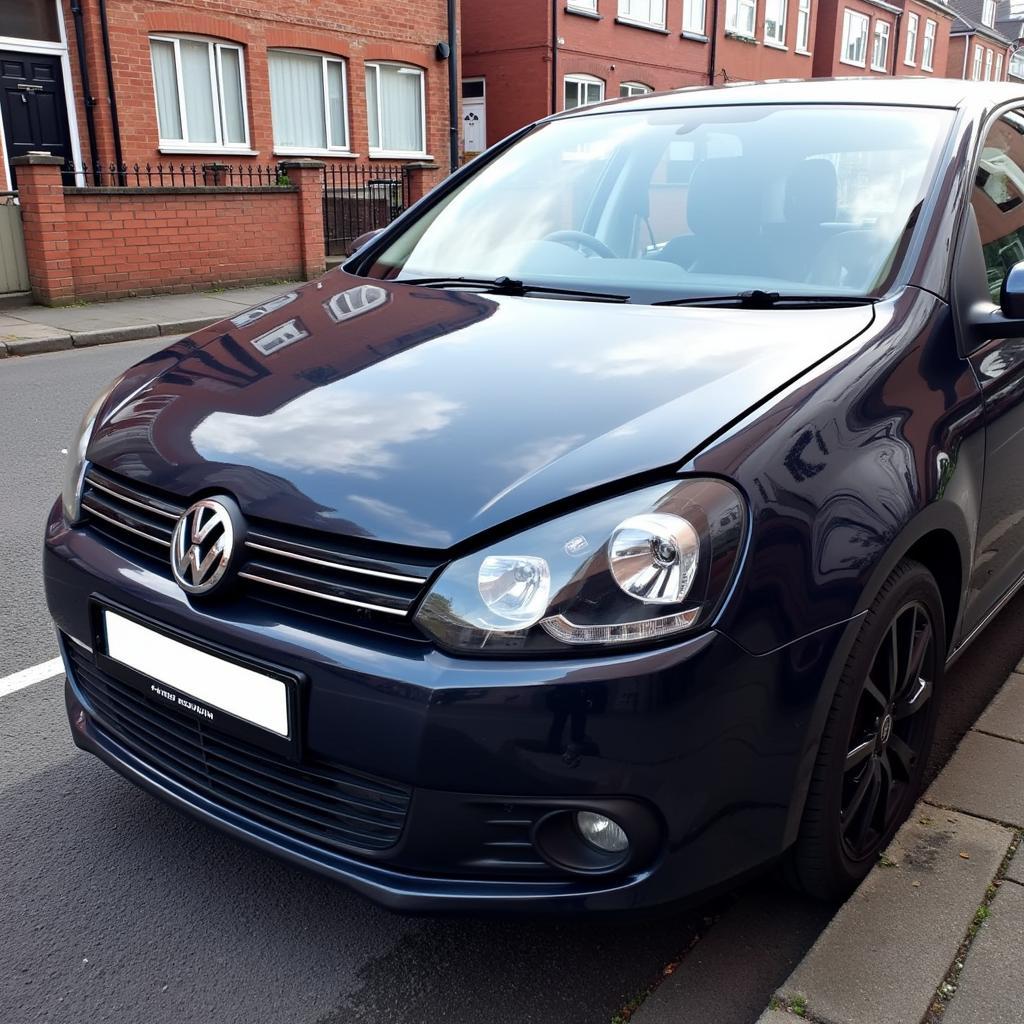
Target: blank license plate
column 196, row 681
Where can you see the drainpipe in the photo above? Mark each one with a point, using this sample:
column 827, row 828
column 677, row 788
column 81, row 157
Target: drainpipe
column 554, row 56
column 87, row 96
column 713, row 49
column 110, row 84
column 453, row 87
column 967, row 46
column 895, row 41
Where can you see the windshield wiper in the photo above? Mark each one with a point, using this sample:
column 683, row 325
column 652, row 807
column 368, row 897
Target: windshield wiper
column 510, row 286
column 758, row 299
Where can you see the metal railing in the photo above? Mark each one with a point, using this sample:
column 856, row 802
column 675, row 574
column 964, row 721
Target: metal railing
column 172, row 175
column 360, row 198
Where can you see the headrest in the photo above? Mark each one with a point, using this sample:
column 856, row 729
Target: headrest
column 722, row 197
column 811, row 193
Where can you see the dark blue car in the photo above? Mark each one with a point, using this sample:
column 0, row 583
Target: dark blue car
column 601, row 531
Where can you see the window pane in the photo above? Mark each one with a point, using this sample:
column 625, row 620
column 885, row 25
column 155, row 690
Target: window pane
column 29, row 19
column 297, row 100
column 336, row 102
column 195, row 76
column 401, row 109
column 231, row 86
column 167, row 111
column 372, row 106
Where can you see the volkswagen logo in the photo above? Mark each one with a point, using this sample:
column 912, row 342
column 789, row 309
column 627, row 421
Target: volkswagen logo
column 203, row 544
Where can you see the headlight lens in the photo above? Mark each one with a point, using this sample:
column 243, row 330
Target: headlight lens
column 74, row 469
column 632, row 569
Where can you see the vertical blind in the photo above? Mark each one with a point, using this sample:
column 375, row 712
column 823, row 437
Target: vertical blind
column 167, row 110
column 297, row 100
column 231, row 92
column 195, row 78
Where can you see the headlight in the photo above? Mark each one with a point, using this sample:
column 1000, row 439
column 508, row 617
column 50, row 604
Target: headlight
column 635, row 568
column 74, row 470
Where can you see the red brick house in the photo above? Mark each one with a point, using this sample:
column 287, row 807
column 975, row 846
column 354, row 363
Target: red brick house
column 152, row 81
column 517, row 69
column 978, row 50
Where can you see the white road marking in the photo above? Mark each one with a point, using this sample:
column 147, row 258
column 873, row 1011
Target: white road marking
column 29, row 676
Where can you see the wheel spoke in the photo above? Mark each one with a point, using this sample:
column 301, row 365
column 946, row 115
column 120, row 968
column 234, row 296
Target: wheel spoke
column 859, row 753
column 858, row 797
column 922, row 692
column 905, row 757
column 871, row 803
column 894, row 659
column 886, row 780
column 921, row 643
column 872, row 690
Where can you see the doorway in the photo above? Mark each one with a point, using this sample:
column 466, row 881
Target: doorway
column 474, row 116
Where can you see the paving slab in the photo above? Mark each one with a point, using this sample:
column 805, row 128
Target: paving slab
column 12, row 332
column 1015, row 869
column 774, row 1017
column 991, row 985
column 1005, row 715
column 761, row 939
column 891, row 944
column 985, row 778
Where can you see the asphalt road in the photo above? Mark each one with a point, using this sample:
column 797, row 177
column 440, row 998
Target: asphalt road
column 115, row 908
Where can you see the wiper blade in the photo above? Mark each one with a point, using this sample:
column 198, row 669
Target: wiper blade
column 758, row 299
column 510, row 286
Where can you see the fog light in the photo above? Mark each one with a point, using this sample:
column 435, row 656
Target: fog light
column 601, row 832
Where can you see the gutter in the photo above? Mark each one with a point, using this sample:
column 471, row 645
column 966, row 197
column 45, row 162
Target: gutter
column 554, row 56
column 713, row 50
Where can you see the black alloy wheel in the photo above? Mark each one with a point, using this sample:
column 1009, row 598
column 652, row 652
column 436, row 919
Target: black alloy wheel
column 877, row 736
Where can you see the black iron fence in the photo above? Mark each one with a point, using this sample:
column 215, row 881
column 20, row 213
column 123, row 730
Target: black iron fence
column 172, row 175
column 360, row 198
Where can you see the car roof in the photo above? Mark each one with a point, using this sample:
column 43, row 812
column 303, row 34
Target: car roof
column 915, row 92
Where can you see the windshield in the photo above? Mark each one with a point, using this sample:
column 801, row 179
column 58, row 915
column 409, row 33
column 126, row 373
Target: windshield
column 662, row 204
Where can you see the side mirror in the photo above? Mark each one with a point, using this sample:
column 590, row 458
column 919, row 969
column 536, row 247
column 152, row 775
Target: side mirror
column 368, row 236
column 1011, row 295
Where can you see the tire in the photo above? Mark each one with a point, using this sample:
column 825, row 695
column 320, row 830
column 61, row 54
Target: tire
column 877, row 737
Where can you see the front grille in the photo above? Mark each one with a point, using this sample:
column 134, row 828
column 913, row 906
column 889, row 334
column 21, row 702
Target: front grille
column 309, row 573
column 324, row 804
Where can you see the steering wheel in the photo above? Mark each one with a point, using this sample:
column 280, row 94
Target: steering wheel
column 581, row 240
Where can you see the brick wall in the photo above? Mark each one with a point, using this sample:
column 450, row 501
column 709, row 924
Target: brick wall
column 943, row 19
column 828, row 49
column 106, row 243
column 356, row 30
column 751, row 60
column 955, row 66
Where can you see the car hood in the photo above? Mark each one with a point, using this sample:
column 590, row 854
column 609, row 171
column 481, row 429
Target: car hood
column 422, row 417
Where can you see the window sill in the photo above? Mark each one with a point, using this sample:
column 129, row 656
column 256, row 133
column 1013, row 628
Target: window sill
column 646, row 26
column 387, row 154
column 804, row 53
column 853, row 63
column 927, row 69
column 583, row 12
column 883, row 70
column 696, row 37
column 740, row 37
column 771, row 44
column 185, row 150
column 910, row 64
column 337, row 154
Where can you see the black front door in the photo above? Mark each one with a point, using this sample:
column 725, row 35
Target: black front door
column 32, row 104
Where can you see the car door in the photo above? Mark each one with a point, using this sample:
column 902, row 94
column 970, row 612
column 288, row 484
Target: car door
column 997, row 200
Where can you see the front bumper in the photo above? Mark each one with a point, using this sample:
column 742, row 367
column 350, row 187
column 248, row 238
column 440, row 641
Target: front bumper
column 706, row 741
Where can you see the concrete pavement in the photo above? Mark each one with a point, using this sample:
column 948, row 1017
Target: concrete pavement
column 28, row 330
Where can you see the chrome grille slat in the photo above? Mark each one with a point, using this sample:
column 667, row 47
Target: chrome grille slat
column 282, row 567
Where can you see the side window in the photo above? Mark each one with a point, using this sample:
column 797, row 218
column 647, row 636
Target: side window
column 998, row 198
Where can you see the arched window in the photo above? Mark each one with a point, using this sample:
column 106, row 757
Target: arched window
column 581, row 90
column 634, row 89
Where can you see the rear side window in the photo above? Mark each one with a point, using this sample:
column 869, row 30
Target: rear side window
column 998, row 198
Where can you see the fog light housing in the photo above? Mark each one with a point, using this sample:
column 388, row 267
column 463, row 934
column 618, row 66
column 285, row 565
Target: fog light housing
column 601, row 832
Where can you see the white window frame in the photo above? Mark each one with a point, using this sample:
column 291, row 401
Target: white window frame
column 632, row 19
column 1017, row 64
column 330, row 150
column 849, row 17
column 732, row 17
column 876, row 35
column 634, row 89
column 988, row 13
column 583, row 80
column 215, row 48
column 988, row 64
column 999, row 67
column 695, row 17
column 802, row 43
column 910, row 53
column 928, row 45
column 976, row 66
column 375, row 151
column 777, row 41
column 587, row 6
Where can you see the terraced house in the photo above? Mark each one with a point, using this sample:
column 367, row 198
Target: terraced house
column 978, row 49
column 232, row 81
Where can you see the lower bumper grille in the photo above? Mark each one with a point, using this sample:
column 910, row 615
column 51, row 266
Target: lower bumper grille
column 319, row 803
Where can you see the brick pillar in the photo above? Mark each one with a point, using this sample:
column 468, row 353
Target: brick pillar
column 308, row 175
column 41, row 194
column 422, row 177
